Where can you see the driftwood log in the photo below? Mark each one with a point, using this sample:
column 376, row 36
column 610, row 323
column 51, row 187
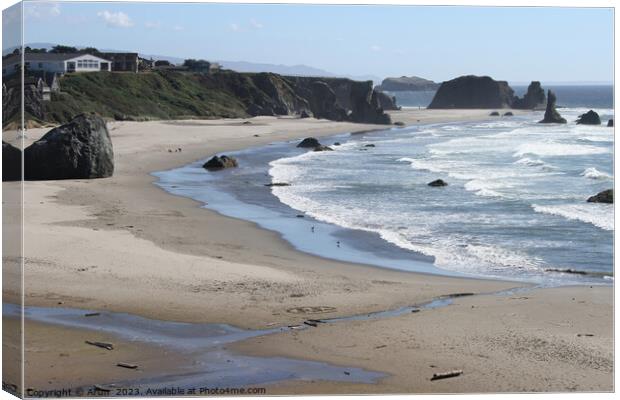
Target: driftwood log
column 107, row 346
column 449, row 374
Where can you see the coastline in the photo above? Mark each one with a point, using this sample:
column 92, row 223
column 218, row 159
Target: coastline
column 175, row 261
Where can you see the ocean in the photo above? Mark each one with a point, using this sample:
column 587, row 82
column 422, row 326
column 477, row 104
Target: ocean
column 514, row 208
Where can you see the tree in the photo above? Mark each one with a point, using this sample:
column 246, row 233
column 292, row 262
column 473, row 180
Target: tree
column 90, row 50
column 28, row 49
column 197, row 65
column 63, row 49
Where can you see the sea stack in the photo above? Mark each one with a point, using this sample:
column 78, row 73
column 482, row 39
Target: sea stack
column 589, row 118
column 534, row 99
column 473, row 92
column 552, row 116
column 606, row 196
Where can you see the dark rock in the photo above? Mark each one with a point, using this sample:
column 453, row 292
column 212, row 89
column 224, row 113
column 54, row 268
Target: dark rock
column 508, row 114
column 589, row 118
column 277, row 184
column 337, row 144
column 407, row 83
column 369, row 145
column 610, row 123
column 606, row 196
column 365, row 105
column 494, row 114
column 11, row 162
column 473, row 92
column 323, row 148
column 438, row 183
column 323, row 102
column 304, row 114
column 399, row 123
column 81, row 149
column 220, row 162
column 386, row 102
column 534, row 98
column 309, row 142
column 551, row 114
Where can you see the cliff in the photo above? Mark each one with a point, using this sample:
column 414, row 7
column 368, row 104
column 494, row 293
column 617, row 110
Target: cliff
column 473, row 92
column 226, row 94
column 407, row 83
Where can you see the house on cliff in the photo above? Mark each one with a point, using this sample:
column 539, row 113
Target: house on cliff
column 55, row 63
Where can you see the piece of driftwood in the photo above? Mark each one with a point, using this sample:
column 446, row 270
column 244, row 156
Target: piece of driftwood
column 126, row 365
column 585, row 334
column 92, row 314
column 107, row 346
column 312, row 324
column 317, row 321
column 449, row 374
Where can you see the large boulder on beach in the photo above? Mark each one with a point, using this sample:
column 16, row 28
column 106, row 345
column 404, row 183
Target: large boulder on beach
column 309, row 143
column 11, row 162
column 589, row 118
column 610, row 123
column 606, row 196
column 220, row 162
column 80, row 149
column 473, row 92
column 551, row 114
column 534, row 98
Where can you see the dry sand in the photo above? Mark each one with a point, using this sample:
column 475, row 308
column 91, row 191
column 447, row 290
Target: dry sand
column 123, row 244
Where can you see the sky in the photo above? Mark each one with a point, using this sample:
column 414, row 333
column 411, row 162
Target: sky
column 438, row 43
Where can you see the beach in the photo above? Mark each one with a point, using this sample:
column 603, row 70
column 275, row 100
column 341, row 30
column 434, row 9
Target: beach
column 122, row 244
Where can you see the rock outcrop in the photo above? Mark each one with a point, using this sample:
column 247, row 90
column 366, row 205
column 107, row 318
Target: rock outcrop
column 589, row 118
column 473, row 92
column 323, row 148
column 438, row 183
column 508, row 114
column 309, row 143
column 551, row 114
column 220, row 162
column 407, row 83
column 11, row 162
column 386, row 102
column 610, row 123
column 494, row 114
column 534, row 98
column 81, row 149
column 606, row 196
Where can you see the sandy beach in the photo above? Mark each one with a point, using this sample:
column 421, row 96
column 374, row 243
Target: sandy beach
column 122, row 244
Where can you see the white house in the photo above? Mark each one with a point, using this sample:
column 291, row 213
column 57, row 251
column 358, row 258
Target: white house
column 56, row 63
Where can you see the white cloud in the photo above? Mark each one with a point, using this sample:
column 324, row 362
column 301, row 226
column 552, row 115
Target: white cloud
column 116, row 19
column 178, row 28
column 42, row 10
column 235, row 27
column 255, row 24
column 375, row 47
column 152, row 25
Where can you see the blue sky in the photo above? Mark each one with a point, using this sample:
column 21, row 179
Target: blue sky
column 439, row 43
